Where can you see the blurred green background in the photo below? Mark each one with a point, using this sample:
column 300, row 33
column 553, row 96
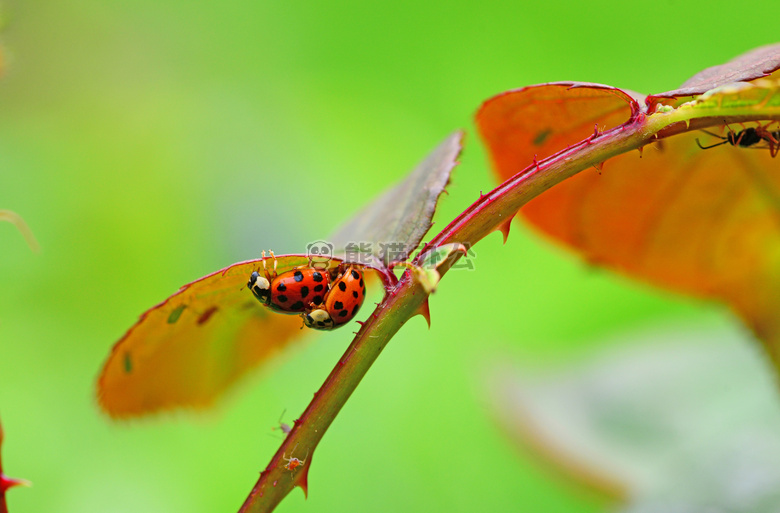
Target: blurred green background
column 149, row 143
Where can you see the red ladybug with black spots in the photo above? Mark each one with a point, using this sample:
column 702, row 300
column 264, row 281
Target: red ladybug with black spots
column 341, row 303
column 291, row 292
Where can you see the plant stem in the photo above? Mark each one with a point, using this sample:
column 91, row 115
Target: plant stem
column 407, row 297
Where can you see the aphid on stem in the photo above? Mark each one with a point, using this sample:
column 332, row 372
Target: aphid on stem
column 283, row 426
column 293, row 463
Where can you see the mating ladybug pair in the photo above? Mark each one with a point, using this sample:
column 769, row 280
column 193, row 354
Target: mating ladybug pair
column 326, row 299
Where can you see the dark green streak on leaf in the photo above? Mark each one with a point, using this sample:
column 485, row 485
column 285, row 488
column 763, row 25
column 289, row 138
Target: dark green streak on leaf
column 541, row 137
column 128, row 363
column 176, row 313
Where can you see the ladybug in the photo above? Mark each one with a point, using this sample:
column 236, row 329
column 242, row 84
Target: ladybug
column 346, row 294
column 291, row 292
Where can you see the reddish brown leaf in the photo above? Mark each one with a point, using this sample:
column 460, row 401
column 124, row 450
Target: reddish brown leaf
column 401, row 217
column 540, row 120
column 702, row 222
column 189, row 349
column 754, row 64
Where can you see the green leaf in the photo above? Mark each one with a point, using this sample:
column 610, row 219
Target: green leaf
column 688, row 425
column 393, row 225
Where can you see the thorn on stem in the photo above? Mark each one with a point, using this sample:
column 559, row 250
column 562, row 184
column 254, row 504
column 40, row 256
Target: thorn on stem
column 303, row 481
column 504, row 228
column 425, row 311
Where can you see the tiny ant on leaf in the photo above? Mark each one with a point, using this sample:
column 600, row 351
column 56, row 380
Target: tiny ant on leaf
column 747, row 138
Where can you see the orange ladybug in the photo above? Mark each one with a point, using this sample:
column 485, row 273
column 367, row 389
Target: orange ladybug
column 291, row 292
column 341, row 303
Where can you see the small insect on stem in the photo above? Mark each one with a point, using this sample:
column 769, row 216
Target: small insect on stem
column 293, row 463
column 746, row 138
column 283, row 426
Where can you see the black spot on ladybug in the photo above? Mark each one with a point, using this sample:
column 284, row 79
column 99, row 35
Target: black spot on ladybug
column 317, row 277
column 304, row 291
column 320, row 323
column 281, row 299
column 342, row 286
column 364, row 291
column 298, row 276
column 317, row 300
column 354, row 310
column 318, row 288
column 355, row 274
column 338, row 305
column 298, row 305
column 355, row 294
column 361, row 283
column 282, row 287
column 343, row 313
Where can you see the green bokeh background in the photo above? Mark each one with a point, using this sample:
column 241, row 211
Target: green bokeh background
column 149, row 143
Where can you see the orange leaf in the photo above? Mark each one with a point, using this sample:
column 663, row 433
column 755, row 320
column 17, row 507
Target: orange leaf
column 190, row 348
column 537, row 121
column 702, row 222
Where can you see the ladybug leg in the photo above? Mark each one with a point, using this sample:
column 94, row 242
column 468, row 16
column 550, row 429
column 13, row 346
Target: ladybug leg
column 265, row 269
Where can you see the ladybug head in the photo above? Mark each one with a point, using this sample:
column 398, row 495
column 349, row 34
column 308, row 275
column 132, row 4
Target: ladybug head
column 318, row 319
column 260, row 287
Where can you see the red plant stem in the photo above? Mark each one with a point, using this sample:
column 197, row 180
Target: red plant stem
column 490, row 211
column 405, row 298
column 275, row 481
column 401, row 303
